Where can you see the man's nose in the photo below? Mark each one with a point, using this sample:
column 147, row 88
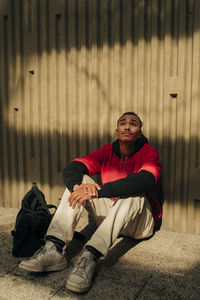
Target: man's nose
column 127, row 126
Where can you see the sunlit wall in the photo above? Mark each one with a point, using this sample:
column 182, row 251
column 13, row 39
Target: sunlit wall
column 68, row 69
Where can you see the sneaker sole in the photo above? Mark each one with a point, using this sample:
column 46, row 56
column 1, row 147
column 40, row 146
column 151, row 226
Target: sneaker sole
column 71, row 287
column 44, row 268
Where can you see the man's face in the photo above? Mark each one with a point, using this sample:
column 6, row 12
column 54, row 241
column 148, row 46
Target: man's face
column 128, row 129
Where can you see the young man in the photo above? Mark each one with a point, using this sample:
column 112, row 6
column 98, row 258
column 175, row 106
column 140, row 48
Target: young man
column 122, row 205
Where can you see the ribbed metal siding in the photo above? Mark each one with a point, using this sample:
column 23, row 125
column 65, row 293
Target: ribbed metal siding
column 70, row 68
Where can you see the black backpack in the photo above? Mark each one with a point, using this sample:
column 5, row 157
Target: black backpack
column 31, row 223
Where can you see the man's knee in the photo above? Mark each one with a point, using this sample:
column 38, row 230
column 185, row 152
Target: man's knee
column 87, row 179
column 132, row 204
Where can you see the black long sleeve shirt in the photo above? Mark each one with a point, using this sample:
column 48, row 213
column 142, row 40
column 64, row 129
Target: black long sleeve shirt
column 132, row 184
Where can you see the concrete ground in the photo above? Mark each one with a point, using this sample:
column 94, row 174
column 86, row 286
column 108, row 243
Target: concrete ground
column 167, row 266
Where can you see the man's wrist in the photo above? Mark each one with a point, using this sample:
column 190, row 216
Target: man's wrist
column 75, row 187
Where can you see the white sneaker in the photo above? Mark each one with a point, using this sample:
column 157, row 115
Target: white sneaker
column 80, row 279
column 46, row 259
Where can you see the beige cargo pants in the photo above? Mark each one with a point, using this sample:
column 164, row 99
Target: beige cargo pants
column 130, row 217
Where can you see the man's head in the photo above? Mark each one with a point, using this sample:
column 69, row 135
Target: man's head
column 132, row 114
column 129, row 127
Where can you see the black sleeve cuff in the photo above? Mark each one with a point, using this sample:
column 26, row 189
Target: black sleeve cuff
column 73, row 174
column 132, row 185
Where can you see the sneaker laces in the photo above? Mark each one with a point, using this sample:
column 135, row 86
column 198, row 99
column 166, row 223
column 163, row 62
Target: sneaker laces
column 82, row 266
column 42, row 251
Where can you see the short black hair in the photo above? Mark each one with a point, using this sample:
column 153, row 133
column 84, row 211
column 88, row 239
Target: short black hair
column 133, row 114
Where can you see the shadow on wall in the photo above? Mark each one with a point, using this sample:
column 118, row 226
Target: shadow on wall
column 37, row 157
column 39, row 27
column 40, row 157
column 95, row 22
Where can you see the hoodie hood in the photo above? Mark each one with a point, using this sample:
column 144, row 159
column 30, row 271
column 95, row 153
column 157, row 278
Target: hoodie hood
column 138, row 145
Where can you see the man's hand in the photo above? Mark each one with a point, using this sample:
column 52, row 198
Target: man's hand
column 87, row 188
column 82, row 193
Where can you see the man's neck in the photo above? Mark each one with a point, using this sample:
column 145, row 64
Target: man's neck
column 126, row 148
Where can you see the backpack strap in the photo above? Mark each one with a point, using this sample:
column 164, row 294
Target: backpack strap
column 40, row 196
column 52, row 206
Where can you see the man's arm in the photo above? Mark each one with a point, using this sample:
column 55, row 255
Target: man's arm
column 133, row 184
column 73, row 174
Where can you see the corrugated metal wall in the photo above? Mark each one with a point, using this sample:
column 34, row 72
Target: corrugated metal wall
column 70, row 68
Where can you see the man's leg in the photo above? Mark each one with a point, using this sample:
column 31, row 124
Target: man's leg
column 65, row 220
column 51, row 257
column 131, row 217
